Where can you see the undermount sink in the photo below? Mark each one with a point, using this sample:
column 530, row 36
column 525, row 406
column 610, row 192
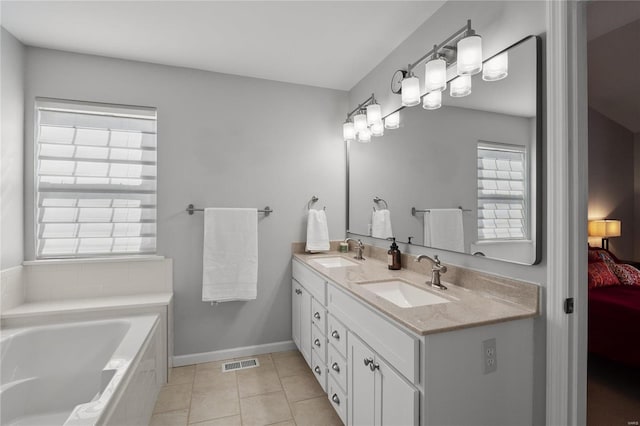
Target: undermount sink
column 402, row 294
column 334, row 262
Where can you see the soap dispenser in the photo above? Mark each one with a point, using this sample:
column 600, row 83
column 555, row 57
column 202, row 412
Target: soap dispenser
column 393, row 256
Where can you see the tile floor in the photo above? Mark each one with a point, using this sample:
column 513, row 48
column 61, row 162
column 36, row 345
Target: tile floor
column 281, row 391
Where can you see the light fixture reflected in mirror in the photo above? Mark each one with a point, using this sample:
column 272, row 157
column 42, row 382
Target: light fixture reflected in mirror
column 392, row 121
column 374, row 114
column 377, row 129
column 432, row 100
column 360, row 121
column 410, row 90
column 496, row 68
column 435, row 74
column 348, row 131
column 460, row 86
column 364, row 135
column 469, row 53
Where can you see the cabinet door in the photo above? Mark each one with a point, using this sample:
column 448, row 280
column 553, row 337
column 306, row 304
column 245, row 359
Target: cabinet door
column 296, row 300
column 305, row 325
column 361, row 384
column 397, row 398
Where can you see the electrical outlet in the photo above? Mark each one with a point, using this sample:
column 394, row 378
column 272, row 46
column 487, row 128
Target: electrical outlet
column 489, row 356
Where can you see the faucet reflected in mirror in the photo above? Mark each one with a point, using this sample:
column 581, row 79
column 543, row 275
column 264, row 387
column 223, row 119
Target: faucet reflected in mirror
column 481, row 151
column 359, row 248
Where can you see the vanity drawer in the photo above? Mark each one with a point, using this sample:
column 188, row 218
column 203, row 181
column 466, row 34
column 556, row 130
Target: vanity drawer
column 319, row 370
column 319, row 343
column 314, row 283
column 337, row 366
column 337, row 335
column 319, row 315
column 395, row 345
column 338, row 399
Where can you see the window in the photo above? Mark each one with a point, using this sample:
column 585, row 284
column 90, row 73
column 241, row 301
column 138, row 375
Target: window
column 95, row 179
column 502, row 207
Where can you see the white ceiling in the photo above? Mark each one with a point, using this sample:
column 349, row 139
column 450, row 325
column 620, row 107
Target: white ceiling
column 330, row 44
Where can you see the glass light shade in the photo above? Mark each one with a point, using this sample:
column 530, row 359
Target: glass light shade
column 374, row 114
column 377, row 129
column 348, row 131
column 460, row 86
column 496, row 68
column 360, row 121
column 432, row 100
column 392, row 121
column 470, row 55
column 435, row 75
column 604, row 228
column 364, row 135
column 410, row 91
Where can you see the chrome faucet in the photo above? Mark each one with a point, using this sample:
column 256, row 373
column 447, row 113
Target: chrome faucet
column 360, row 248
column 437, row 268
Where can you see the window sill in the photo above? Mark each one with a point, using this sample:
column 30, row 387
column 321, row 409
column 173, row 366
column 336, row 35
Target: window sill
column 141, row 258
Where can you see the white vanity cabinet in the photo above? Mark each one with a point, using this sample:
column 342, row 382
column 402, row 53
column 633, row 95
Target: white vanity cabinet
column 377, row 394
column 300, row 324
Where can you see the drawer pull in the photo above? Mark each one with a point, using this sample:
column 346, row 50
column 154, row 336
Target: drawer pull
column 316, row 315
column 368, row 361
column 317, row 342
column 335, row 399
column 335, row 367
column 335, row 334
column 317, row 370
column 373, row 366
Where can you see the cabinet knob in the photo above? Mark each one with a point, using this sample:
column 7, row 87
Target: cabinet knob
column 368, row 361
column 373, row 366
column 335, row 399
column 335, row 367
column 317, row 342
column 317, row 315
column 317, row 370
column 335, row 334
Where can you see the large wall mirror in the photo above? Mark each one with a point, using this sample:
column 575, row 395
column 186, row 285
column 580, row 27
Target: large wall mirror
column 464, row 177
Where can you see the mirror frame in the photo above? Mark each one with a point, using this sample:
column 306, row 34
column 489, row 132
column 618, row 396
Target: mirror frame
column 537, row 233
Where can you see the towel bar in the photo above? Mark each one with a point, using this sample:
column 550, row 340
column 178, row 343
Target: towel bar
column 190, row 208
column 414, row 210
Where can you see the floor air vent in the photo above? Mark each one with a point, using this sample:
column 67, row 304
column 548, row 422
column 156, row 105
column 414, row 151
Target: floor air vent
column 240, row 365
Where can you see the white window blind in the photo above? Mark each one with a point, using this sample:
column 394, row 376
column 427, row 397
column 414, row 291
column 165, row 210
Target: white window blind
column 96, row 179
column 502, row 209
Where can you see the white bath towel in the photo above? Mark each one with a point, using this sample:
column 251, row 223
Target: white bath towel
column 443, row 229
column 230, row 255
column 317, row 231
column 381, row 224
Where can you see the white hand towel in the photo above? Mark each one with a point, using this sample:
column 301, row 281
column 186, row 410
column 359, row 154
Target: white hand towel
column 317, row 231
column 443, row 229
column 230, row 255
column 381, row 224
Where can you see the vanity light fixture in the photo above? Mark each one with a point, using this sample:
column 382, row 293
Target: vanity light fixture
column 435, row 73
column 496, row 68
column 367, row 121
column 460, row 86
column 432, row 100
column 392, row 121
column 410, row 90
column 469, row 53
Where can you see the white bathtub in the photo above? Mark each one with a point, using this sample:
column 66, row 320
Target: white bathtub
column 82, row 373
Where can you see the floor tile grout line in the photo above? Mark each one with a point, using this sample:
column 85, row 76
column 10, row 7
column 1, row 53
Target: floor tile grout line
column 284, row 392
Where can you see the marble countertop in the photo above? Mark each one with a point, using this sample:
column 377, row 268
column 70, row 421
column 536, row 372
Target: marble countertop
column 467, row 307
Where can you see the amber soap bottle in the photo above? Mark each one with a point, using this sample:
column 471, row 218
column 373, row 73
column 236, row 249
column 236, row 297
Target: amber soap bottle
column 393, row 256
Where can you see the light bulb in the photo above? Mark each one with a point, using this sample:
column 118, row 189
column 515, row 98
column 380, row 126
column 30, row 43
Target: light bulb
column 348, row 131
column 392, row 121
column 410, row 91
column 470, row 55
column 374, row 114
column 460, row 86
column 377, row 129
column 432, row 100
column 364, row 136
column 435, row 75
column 496, row 68
column 360, row 121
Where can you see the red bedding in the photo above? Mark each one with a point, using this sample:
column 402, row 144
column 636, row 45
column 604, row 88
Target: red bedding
column 614, row 323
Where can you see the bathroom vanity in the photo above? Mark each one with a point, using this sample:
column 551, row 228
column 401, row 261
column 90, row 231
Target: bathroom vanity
column 390, row 350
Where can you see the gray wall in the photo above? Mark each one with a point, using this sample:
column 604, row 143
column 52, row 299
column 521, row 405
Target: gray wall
column 11, row 167
column 500, row 23
column 224, row 141
column 611, row 180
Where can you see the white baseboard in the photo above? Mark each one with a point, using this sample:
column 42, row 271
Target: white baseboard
column 180, row 360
